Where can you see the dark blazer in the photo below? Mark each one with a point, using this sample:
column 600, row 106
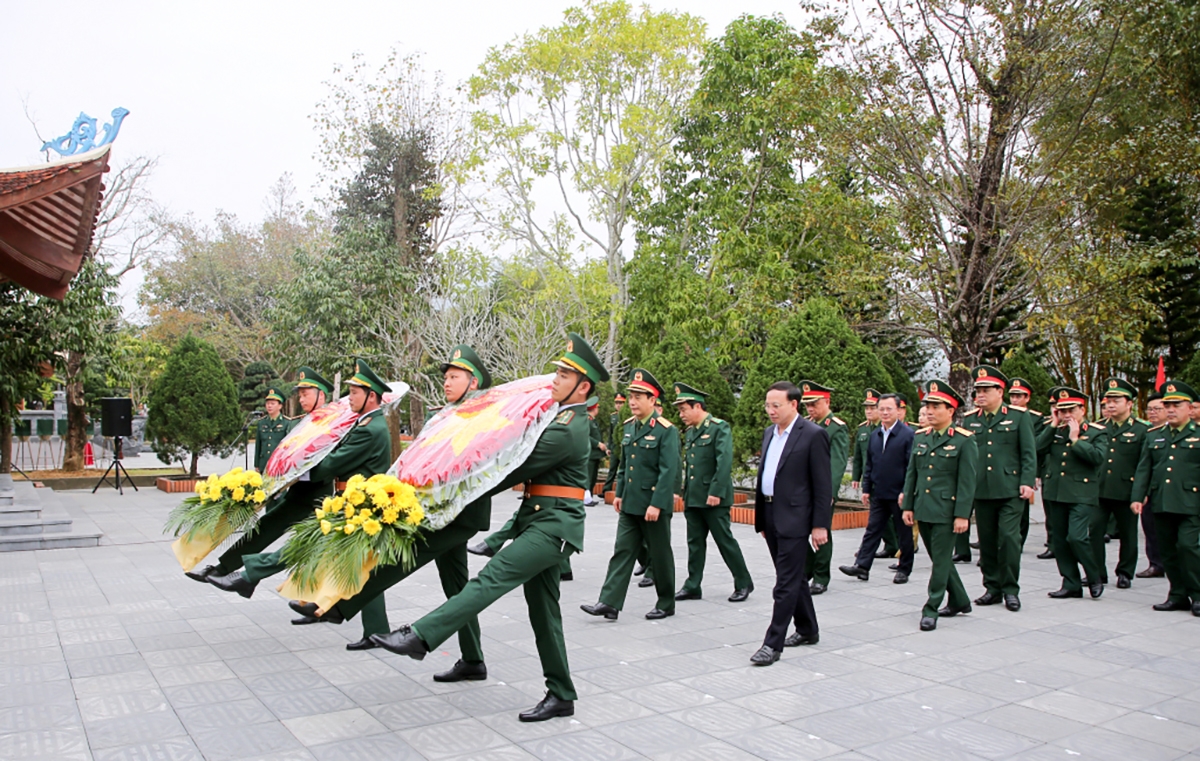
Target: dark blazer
column 803, row 497
column 883, row 475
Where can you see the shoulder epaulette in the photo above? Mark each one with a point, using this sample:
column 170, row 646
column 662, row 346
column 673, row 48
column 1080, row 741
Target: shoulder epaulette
column 1097, row 426
column 564, row 417
column 1156, row 427
column 716, row 420
column 926, row 429
column 972, row 412
column 630, row 419
column 1019, row 407
column 837, row 420
column 860, row 425
column 665, row 423
column 1143, row 422
column 964, row 431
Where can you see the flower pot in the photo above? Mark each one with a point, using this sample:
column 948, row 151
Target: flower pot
column 177, row 484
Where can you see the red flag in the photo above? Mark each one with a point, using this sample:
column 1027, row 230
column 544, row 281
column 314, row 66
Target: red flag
column 1161, row 376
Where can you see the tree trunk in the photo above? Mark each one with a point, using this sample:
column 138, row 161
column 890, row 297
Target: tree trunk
column 76, row 414
column 5, row 436
column 194, row 470
column 392, row 416
column 416, row 414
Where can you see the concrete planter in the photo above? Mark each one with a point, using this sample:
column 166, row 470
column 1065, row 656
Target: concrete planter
column 177, row 484
column 844, row 516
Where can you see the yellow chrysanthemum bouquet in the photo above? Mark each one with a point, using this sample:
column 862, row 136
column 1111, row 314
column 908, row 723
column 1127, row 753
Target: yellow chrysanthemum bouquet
column 220, row 506
column 331, row 554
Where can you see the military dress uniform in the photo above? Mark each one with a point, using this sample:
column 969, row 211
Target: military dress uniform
column 615, row 430
column 549, row 526
column 1168, row 477
column 820, row 560
column 862, row 439
column 596, row 454
column 1071, row 492
column 939, row 486
column 708, row 472
column 1125, row 441
column 647, row 476
column 268, row 432
column 1007, row 461
column 1035, row 423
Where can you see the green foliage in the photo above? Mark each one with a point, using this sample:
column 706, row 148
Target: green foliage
column 1021, row 364
column 1190, row 374
column 815, row 343
column 193, row 405
column 901, row 382
column 256, row 379
column 678, row 359
column 134, row 363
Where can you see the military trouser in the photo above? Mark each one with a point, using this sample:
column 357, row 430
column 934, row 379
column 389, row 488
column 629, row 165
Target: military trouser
column 532, row 560
column 962, row 542
column 1127, row 532
column 447, row 548
column 274, row 523
column 496, row 540
column 701, row 521
column 1179, row 545
column 998, row 522
column 632, row 532
column 816, row 567
column 1025, row 522
column 1070, row 522
column 939, row 539
column 593, row 474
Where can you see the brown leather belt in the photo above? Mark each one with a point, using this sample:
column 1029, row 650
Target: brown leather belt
column 561, row 492
column 340, row 485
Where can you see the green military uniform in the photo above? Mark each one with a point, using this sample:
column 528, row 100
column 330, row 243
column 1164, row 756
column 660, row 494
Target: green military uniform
column 1071, row 490
column 647, row 476
column 1168, row 476
column 446, row 547
column 596, row 454
column 615, row 430
column 862, row 438
column 708, row 472
column 1125, row 441
column 939, row 486
column 548, row 528
column 1007, row 462
column 1020, row 385
column 819, row 561
column 268, row 432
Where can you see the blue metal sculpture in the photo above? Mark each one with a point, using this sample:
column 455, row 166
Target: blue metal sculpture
column 82, row 137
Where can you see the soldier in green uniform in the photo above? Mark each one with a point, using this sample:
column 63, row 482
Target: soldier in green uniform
column 270, row 430
column 816, row 402
column 708, row 494
column 891, row 544
column 1126, row 434
column 1074, row 451
column 549, row 525
column 293, row 505
column 1168, row 475
column 613, row 440
column 1007, row 473
column 1019, row 393
column 598, row 452
column 462, row 373
column 647, row 478
column 939, row 489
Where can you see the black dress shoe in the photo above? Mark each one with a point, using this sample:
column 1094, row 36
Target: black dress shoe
column 1047, row 555
column 741, row 595
column 855, row 570
column 765, row 656
column 1095, row 590
column 949, row 612
column 1169, row 605
column 973, row 545
column 928, row 623
column 1123, row 581
column 798, row 639
column 309, row 610
column 305, row 621
column 363, row 644
column 403, row 641
column 550, row 708
column 817, row 588
column 481, row 549
column 203, row 573
column 989, row 598
column 1012, row 602
column 462, row 671
column 1064, row 593
column 894, row 567
column 684, row 594
column 234, row 582
column 656, row 614
column 646, row 581
column 1196, row 609
column 1153, row 572
column 961, row 559
column 639, row 570
column 883, row 553
column 600, row 609
column 566, row 577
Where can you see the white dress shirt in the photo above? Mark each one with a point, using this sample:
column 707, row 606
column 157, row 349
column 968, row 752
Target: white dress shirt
column 772, row 455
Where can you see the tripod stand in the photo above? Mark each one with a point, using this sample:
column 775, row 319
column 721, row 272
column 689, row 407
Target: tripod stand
column 245, row 435
column 120, row 469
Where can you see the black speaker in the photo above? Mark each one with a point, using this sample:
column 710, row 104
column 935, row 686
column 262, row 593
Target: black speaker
column 116, row 416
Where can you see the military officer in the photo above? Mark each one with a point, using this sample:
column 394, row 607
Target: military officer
column 1156, row 415
column 549, row 526
column 862, row 437
column 292, row 506
column 270, row 430
column 1168, row 475
column 708, row 493
column 1019, row 393
column 1007, row 472
column 1074, row 450
column 599, row 449
column 613, row 439
column 463, row 372
column 647, row 477
column 939, row 489
column 816, row 401
column 1126, row 434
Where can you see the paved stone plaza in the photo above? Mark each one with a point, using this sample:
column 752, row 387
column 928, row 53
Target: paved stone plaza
column 111, row 653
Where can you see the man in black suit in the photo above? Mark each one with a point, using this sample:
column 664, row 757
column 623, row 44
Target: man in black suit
column 793, row 504
column 889, row 449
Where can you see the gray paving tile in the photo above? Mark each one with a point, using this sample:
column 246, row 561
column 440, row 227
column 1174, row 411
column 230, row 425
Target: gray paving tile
column 1030, row 722
column 453, row 738
column 139, row 728
column 179, row 749
column 784, row 743
column 654, row 734
column 589, row 744
column 251, row 741
column 1106, row 745
column 1157, row 729
column 373, row 748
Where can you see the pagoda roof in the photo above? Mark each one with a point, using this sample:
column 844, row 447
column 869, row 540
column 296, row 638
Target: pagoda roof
column 47, row 218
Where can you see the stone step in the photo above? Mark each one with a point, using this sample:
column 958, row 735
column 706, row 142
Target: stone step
column 65, row 540
column 7, row 495
column 19, row 512
column 36, row 525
